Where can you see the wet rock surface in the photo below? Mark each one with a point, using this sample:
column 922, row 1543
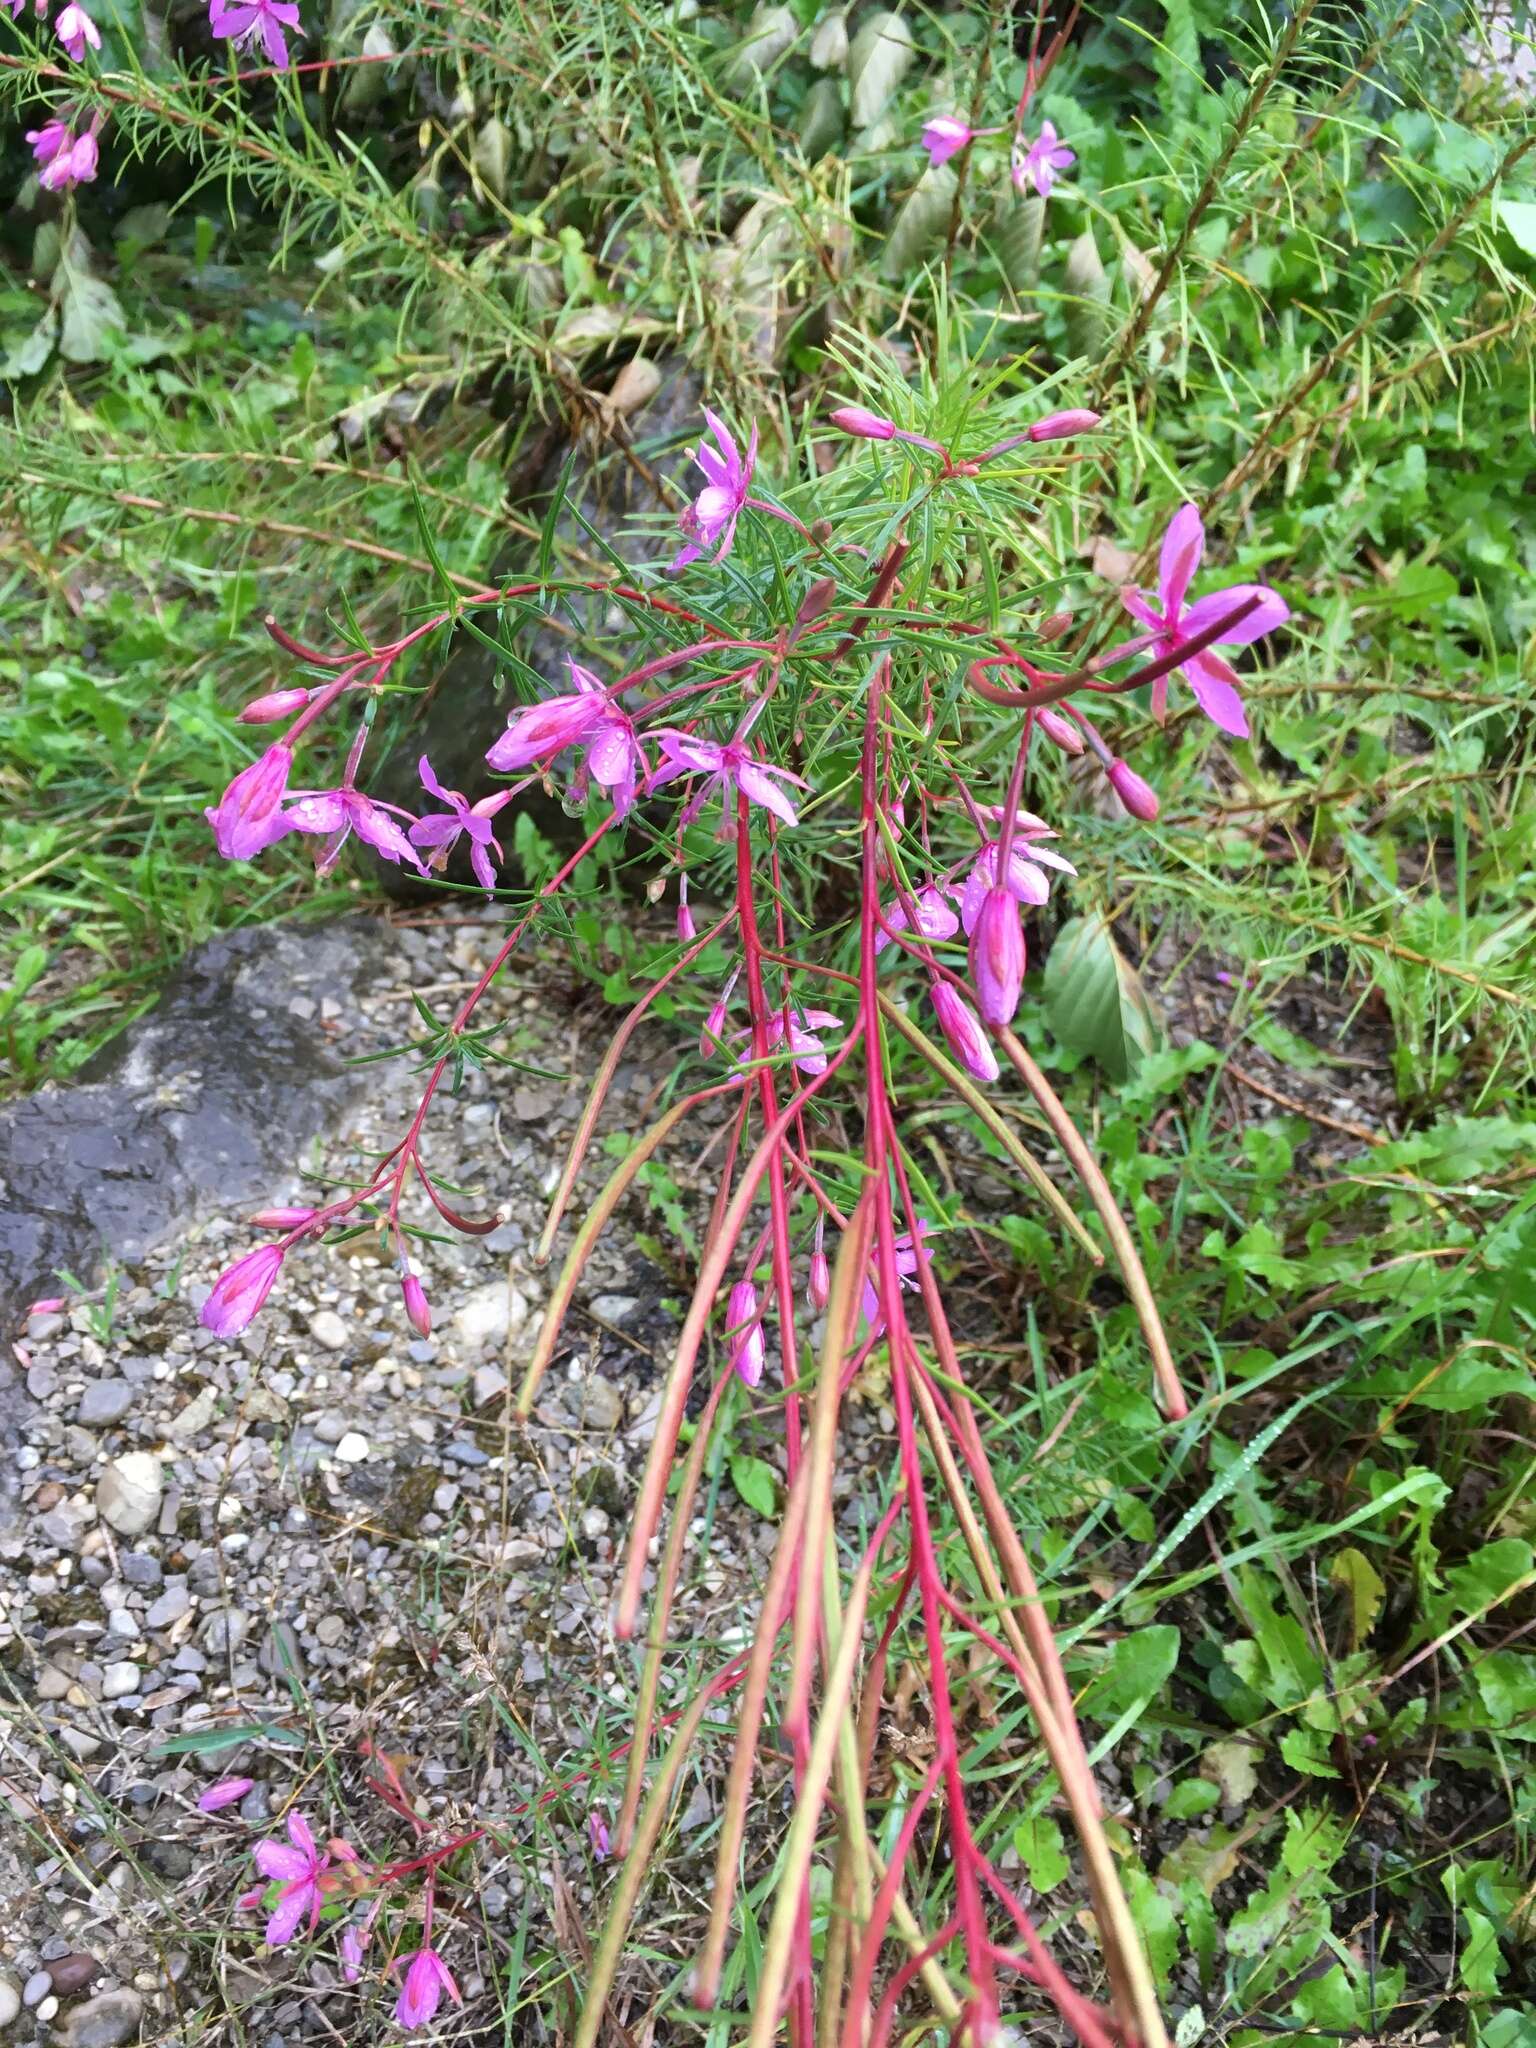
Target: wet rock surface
column 200, row 1100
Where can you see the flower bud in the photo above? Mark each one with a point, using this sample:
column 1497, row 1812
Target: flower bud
column 1137, row 797
column 418, row 1309
column 686, row 928
column 224, row 1793
column 1059, row 729
column 1053, row 627
column 863, row 424
column 997, row 957
column 279, row 1219
column 714, row 1023
column 943, row 136
column 238, row 1294
column 275, row 705
column 963, row 1033
column 747, row 1353
column 1060, row 426
column 819, row 1287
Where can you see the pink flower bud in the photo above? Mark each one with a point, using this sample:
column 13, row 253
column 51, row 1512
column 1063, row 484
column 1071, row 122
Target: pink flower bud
column 49, row 1306
column 819, row 1288
column 597, row 1832
column 686, row 928
column 963, row 1033
column 275, row 705
column 417, row 1308
column 1138, row 797
column 714, row 1023
column 863, row 424
column 1060, row 426
column 352, row 1945
column 280, row 1219
column 224, row 1793
column 747, row 1353
column 997, row 957
column 1059, row 729
column 238, row 1294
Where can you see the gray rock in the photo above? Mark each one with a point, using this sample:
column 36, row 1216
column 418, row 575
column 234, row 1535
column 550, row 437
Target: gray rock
column 280, row 1653
column 197, row 1106
column 173, row 1603
column 105, row 2021
column 104, row 1402
column 10, row 2001
column 483, row 1317
column 128, row 1493
column 118, row 1680
column 140, row 1569
column 224, row 1630
column 328, row 1329
column 602, row 1405
column 36, row 1988
column 614, row 1308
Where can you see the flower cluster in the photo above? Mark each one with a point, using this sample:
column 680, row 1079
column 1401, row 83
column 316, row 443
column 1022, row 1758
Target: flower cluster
column 64, row 148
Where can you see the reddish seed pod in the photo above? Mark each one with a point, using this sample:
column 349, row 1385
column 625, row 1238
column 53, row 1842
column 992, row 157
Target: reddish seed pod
column 280, row 1219
column 1053, row 627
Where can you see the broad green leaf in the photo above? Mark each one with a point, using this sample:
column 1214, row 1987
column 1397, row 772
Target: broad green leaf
column 89, row 311
column 1353, row 1571
column 1039, row 1844
column 877, row 63
column 1094, row 1002
column 921, row 224
column 1187, row 1801
column 1518, row 217
column 1086, row 284
column 1139, row 1667
column 26, row 357
column 755, row 1481
column 1305, row 1750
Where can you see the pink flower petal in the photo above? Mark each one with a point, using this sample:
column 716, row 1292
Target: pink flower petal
column 1183, row 545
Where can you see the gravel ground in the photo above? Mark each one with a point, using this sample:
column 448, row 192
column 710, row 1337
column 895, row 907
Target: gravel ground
column 329, row 1530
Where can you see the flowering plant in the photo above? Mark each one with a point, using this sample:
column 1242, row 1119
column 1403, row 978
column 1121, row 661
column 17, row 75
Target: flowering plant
column 831, row 680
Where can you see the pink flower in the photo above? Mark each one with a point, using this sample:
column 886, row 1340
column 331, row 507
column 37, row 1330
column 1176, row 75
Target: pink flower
column 238, row 1294
column 223, row 1794
column 800, row 1035
column 275, row 705
column 1025, row 879
column 943, row 136
column 300, row 1870
column 614, row 759
column 1138, row 797
column 908, row 1257
column 687, row 930
column 441, row 829
column 248, row 21
column 732, row 766
column 352, row 1944
column 863, row 424
column 997, row 956
column 540, row 731
column 336, row 814
column 49, row 1306
column 1040, row 164
column 427, row 1977
column 963, row 1032
column 745, row 1329
column 1174, row 623
column 418, row 1309
column 249, row 816
column 714, row 512
column 935, row 918
column 74, row 29
column 597, row 1832
column 279, row 1219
